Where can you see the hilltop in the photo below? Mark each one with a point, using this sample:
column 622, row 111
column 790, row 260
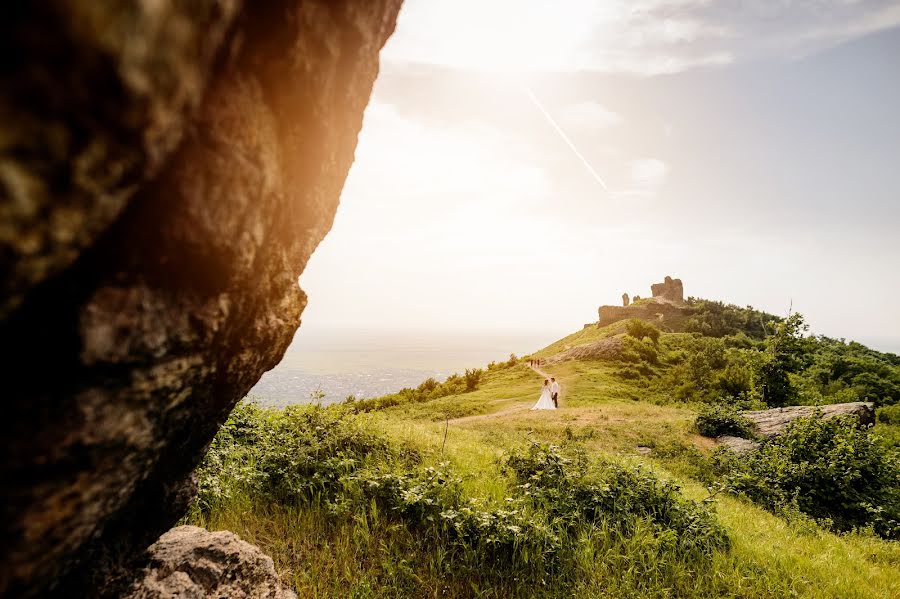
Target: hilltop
column 455, row 488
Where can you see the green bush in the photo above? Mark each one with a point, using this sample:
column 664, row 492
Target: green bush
column 717, row 319
column 428, row 390
column 323, row 459
column 473, row 377
column 639, row 330
column 717, row 419
column 638, row 350
column 889, row 414
column 830, row 469
column 623, row 498
column 293, row 455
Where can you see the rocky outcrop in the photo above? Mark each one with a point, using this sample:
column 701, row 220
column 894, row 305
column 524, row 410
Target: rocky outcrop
column 771, row 423
column 167, row 169
column 670, row 290
column 737, row 444
column 189, row 561
column 605, row 349
column 625, row 299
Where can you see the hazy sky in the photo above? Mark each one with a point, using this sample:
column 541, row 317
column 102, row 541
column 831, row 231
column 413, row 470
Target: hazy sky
column 750, row 148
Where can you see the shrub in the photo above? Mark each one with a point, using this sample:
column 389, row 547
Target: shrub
column 830, row 469
column 623, row 498
column 639, row 329
column 718, row 319
column 473, row 377
column 296, row 454
column 889, row 414
column 716, row 420
column 638, row 350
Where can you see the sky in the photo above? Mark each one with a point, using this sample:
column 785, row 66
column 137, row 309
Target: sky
column 524, row 161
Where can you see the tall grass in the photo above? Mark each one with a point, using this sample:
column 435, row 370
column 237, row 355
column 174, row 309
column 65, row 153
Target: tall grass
column 341, row 541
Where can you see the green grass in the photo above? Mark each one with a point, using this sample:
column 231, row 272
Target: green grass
column 586, row 335
column 374, row 555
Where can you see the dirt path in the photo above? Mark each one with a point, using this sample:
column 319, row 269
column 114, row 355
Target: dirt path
column 520, row 407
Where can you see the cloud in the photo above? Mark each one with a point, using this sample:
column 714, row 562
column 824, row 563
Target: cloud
column 645, row 178
column 639, row 37
column 589, row 115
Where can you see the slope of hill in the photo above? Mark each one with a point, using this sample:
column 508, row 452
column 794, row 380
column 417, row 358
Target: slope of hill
column 458, row 489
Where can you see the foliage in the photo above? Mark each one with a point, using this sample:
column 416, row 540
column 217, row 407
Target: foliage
column 323, row 459
column 639, row 330
column 706, row 369
column 429, row 390
column 721, row 419
column 574, row 493
column 512, row 361
column 830, row 469
column 787, row 352
column 473, row 377
column 296, row 454
column 842, row 371
column 717, row 319
column 889, row 414
column 637, row 351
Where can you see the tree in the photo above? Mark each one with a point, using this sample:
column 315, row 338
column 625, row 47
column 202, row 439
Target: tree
column 785, row 353
column 473, row 377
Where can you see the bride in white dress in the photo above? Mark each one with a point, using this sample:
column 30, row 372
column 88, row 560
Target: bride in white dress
column 546, row 401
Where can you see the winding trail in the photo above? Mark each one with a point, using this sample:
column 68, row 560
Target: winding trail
column 519, row 407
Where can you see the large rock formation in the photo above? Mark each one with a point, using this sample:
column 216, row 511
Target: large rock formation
column 773, row 422
column 670, row 289
column 191, row 562
column 167, row 169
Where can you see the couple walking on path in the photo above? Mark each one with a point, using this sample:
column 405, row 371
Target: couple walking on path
column 549, row 399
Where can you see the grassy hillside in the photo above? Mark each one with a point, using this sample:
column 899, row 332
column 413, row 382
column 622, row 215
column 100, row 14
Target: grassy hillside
column 459, row 490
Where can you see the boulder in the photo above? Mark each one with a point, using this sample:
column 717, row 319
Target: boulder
column 737, row 444
column 192, row 562
column 167, row 169
column 771, row 423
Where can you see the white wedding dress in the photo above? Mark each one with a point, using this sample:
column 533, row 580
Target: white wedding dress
column 545, row 402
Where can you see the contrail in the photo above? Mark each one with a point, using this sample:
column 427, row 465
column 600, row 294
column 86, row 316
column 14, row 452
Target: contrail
column 565, row 137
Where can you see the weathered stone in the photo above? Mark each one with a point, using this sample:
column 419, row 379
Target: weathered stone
column 773, row 422
column 625, row 299
column 737, row 444
column 770, row 423
column 167, row 168
column 102, row 99
column 191, row 562
column 605, row 349
column 670, row 289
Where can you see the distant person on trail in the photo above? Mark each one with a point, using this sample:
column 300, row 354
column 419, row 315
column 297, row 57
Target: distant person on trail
column 554, row 391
